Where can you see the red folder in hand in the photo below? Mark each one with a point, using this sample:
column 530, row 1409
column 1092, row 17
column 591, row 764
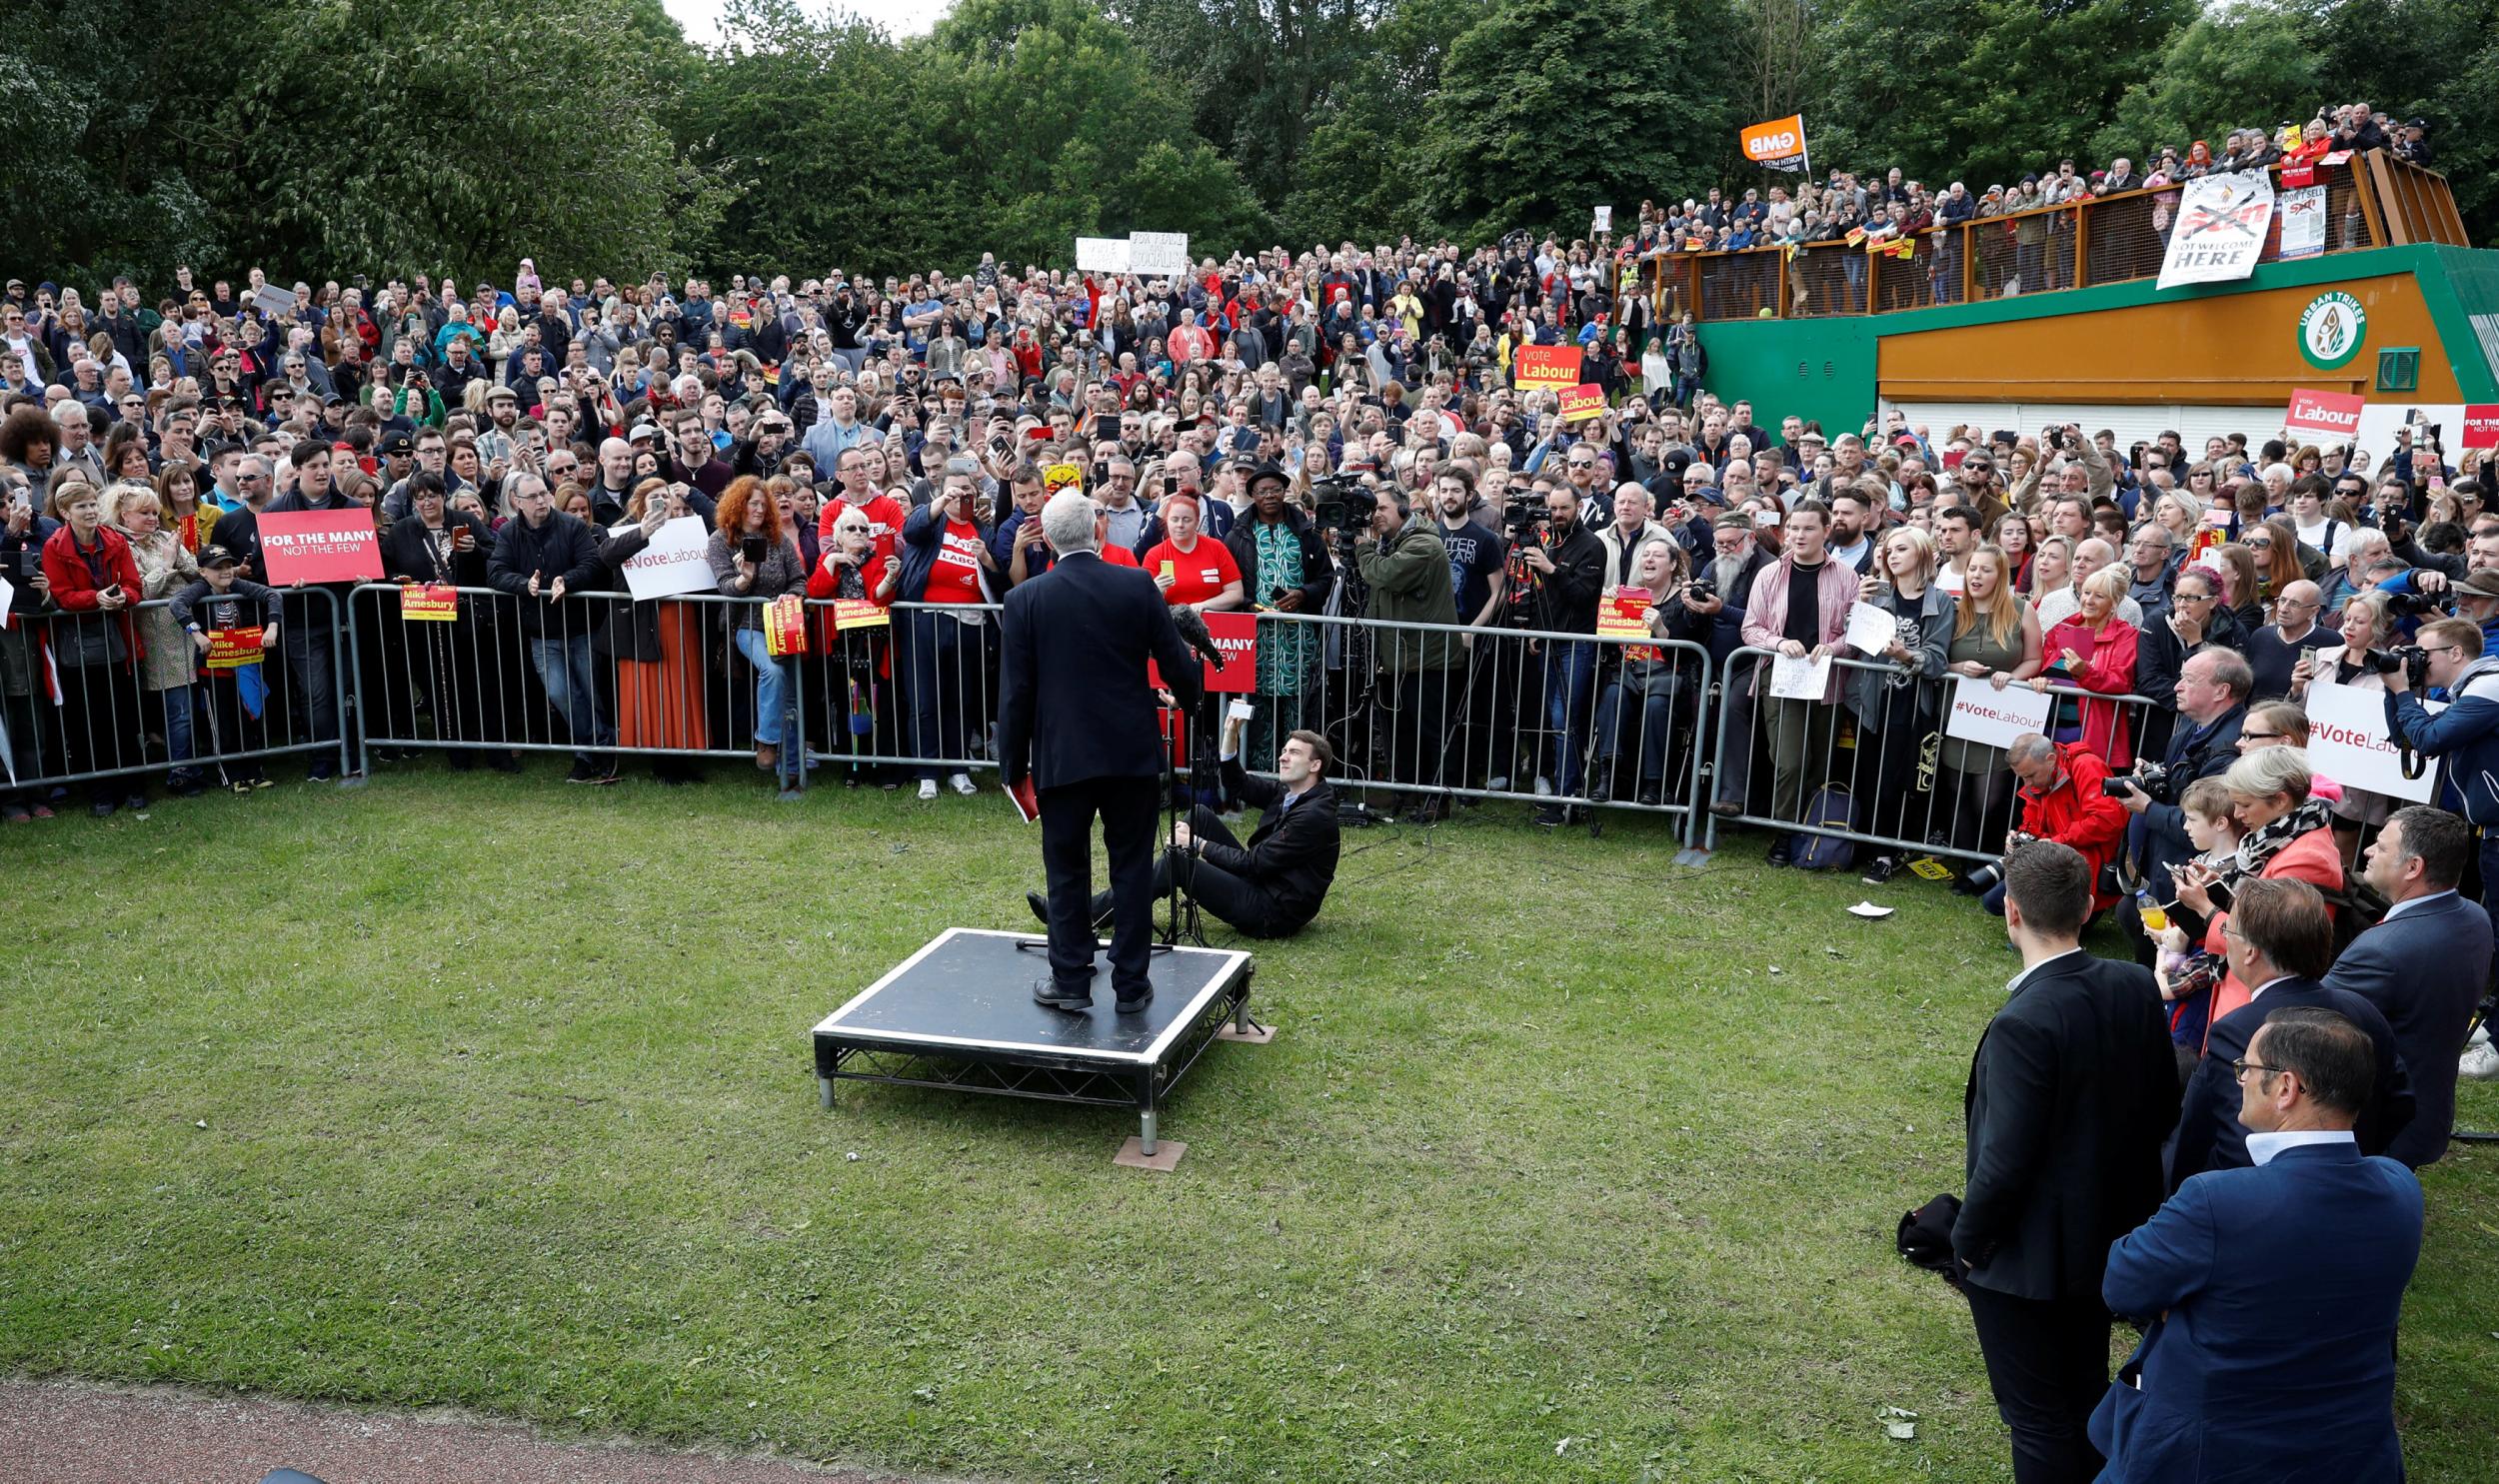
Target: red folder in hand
column 1027, row 804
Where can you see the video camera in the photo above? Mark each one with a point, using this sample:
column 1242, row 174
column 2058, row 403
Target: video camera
column 1343, row 505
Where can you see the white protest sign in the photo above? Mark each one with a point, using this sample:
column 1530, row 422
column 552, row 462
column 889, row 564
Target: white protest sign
column 1991, row 717
column 2303, row 222
column 1158, row 253
column 8, row 596
column 673, row 561
column 1871, row 630
column 1604, row 220
column 1799, row 679
column 1101, row 255
column 2220, row 232
column 2347, row 743
column 273, row 301
column 2379, row 420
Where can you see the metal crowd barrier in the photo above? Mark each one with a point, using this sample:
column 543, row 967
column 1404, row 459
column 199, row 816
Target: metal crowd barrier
column 598, row 674
column 916, row 694
column 64, row 723
column 1901, row 784
column 1432, row 715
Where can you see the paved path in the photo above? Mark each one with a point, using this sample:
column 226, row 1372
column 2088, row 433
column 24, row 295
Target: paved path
column 75, row 1433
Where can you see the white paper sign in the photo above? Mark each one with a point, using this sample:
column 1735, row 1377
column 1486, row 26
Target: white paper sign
column 2220, row 232
column 1604, row 220
column 1799, row 680
column 1991, row 717
column 2378, row 421
column 2347, row 743
column 1101, row 254
column 8, row 596
column 273, row 301
column 2303, row 222
column 673, row 561
column 1871, row 630
column 1158, row 253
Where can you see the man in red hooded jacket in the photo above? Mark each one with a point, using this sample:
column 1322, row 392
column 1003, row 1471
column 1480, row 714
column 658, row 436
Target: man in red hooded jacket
column 2062, row 801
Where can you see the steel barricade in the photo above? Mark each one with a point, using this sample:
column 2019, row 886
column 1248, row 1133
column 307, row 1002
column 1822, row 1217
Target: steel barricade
column 1436, row 713
column 64, row 722
column 1942, row 796
column 916, row 692
column 599, row 674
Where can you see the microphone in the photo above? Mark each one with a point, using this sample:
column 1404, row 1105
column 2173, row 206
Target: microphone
column 1193, row 627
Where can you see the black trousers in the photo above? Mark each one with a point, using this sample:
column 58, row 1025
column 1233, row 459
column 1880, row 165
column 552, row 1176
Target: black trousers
column 1248, row 907
column 1127, row 809
column 2047, row 1363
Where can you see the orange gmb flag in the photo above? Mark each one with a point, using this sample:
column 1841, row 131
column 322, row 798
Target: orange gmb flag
column 1776, row 145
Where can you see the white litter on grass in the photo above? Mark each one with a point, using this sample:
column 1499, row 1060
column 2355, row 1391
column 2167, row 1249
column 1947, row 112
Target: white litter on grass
column 1900, row 1422
column 1870, row 909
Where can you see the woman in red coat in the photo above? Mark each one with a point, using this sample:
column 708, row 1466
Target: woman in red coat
column 2290, row 837
column 2094, row 650
column 95, row 649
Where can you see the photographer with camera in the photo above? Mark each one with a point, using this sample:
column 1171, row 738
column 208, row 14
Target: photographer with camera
column 2452, row 657
column 1566, row 567
column 2211, row 692
column 1406, row 567
column 2065, row 798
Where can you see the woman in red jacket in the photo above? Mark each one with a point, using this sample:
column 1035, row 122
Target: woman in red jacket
column 2094, row 649
column 95, row 649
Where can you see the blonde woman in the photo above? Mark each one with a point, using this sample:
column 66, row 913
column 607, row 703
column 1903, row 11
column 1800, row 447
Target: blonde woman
column 1898, row 704
column 1996, row 639
column 166, row 567
column 2368, row 629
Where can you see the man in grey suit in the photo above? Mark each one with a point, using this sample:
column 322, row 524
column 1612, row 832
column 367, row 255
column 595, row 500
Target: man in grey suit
column 2424, row 965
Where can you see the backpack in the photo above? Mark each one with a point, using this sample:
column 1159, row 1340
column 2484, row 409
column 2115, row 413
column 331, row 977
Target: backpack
column 2358, row 906
column 1832, row 809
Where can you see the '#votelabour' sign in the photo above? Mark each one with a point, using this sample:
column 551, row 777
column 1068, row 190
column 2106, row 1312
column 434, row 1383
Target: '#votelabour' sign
column 1984, row 715
column 2347, row 743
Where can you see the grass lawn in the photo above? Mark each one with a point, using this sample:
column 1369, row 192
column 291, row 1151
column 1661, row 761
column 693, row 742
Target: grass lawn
column 1565, row 1164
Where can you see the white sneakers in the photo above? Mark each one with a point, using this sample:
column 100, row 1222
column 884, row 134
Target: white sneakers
column 927, row 790
column 2481, row 1059
column 962, row 784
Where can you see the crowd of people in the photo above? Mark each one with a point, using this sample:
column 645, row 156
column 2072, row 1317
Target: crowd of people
column 1331, row 442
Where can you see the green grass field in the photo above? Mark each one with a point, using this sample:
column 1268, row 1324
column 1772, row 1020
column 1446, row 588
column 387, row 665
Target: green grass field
column 1565, row 1164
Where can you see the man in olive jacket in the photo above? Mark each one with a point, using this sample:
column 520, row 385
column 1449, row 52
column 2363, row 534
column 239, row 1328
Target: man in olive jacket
column 1406, row 567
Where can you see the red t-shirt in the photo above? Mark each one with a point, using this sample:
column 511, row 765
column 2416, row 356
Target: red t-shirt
column 955, row 577
column 885, row 518
column 1117, row 556
column 1197, row 575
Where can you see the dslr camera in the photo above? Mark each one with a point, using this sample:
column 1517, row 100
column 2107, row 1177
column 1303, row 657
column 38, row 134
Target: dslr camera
column 2412, row 659
column 2409, row 606
column 1991, row 876
column 2151, row 777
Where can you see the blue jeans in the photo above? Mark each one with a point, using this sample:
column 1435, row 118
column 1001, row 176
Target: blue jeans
column 564, row 668
column 1570, row 693
column 771, row 691
column 176, row 702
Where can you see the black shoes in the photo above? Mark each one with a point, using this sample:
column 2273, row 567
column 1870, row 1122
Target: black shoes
column 1781, row 854
column 1883, row 871
column 1047, row 991
column 1039, row 906
column 1131, row 1006
column 1647, row 798
column 582, row 773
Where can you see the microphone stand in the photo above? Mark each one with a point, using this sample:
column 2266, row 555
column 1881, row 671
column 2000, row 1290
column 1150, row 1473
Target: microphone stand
column 1180, row 907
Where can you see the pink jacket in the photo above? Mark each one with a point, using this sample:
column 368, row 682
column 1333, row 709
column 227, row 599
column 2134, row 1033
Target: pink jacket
column 1765, row 612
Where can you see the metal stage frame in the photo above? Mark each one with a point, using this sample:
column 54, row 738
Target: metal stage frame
column 907, row 1031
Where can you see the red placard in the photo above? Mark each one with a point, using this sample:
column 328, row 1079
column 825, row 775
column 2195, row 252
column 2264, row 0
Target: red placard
column 318, row 546
column 2481, row 426
column 1544, row 368
column 2334, row 416
column 1237, row 635
column 1582, row 402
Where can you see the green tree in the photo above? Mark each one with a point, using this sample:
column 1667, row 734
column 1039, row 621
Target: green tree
column 1544, row 109
column 372, row 136
column 2042, row 76
column 1885, row 77
column 1364, row 158
column 2239, row 65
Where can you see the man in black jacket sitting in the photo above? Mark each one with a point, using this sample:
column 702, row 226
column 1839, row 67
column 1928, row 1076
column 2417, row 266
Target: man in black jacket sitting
column 1273, row 885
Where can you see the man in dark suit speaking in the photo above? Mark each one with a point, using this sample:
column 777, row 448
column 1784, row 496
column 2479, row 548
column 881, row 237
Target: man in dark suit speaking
column 1076, row 715
column 2071, row 1093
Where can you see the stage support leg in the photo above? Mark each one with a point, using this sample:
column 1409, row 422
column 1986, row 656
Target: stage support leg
column 824, row 1093
column 1145, row 1133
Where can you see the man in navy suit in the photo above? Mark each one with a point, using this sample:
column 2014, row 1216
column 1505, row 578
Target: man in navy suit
column 2270, row 1294
column 1076, row 714
column 2423, row 966
column 2071, row 1091
column 2280, row 941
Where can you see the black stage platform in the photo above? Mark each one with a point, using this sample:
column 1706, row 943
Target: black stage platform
column 960, row 1013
